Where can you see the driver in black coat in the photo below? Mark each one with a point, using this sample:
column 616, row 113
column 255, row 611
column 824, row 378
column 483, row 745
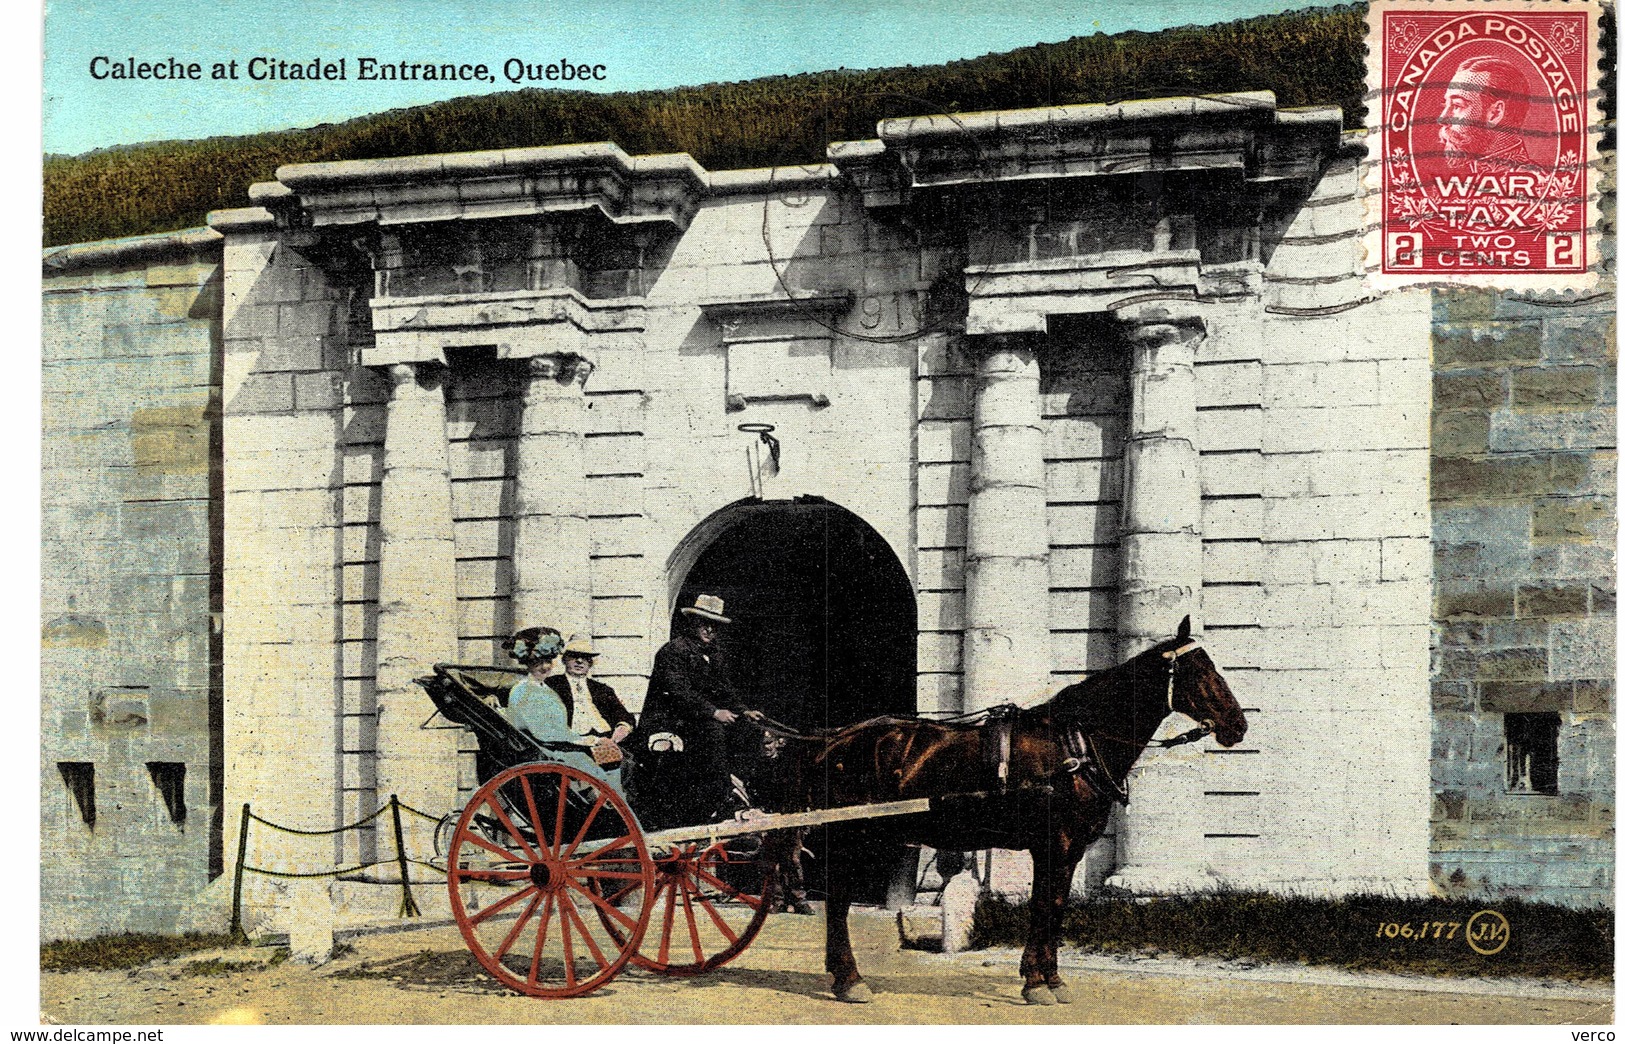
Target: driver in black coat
column 682, row 749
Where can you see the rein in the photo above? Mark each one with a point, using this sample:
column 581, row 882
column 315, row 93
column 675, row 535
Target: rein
column 1084, row 755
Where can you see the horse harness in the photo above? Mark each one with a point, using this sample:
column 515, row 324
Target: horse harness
column 1082, row 755
column 1084, row 760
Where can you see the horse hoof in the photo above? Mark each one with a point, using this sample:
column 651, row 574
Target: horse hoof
column 1039, row 994
column 857, row 993
column 1061, row 993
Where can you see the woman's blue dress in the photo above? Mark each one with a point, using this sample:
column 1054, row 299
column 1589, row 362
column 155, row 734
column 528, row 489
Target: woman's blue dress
column 538, row 710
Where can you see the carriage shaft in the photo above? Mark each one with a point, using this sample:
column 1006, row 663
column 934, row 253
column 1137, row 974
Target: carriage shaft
column 776, row 821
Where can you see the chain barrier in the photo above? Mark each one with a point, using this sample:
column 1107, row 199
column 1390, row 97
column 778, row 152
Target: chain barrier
column 408, row 905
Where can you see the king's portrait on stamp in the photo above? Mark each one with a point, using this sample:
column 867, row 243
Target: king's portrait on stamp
column 1482, row 143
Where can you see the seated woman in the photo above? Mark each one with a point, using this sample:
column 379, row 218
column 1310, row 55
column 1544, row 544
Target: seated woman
column 537, row 709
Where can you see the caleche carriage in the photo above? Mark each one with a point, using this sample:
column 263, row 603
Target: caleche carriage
column 556, row 886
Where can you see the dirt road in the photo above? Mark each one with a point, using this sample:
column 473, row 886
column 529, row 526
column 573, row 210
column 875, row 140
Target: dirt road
column 426, row 976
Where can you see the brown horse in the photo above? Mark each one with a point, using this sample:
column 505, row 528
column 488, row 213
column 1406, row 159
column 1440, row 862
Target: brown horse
column 1044, row 783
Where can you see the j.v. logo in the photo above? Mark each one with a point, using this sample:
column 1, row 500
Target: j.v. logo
column 1488, row 932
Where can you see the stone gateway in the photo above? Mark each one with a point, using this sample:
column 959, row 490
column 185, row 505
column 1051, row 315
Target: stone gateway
column 968, row 411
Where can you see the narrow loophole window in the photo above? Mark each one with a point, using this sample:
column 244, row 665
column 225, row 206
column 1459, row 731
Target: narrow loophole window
column 80, row 777
column 1531, row 741
column 170, row 779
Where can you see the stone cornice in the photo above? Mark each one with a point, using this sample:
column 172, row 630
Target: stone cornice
column 134, row 250
column 626, row 190
column 507, row 308
column 1244, row 132
column 241, row 219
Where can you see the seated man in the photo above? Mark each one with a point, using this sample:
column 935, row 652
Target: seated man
column 682, row 749
column 591, row 708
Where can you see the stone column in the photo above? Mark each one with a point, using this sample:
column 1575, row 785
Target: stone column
column 417, row 590
column 1160, row 539
column 1160, row 578
column 552, row 585
column 1006, row 645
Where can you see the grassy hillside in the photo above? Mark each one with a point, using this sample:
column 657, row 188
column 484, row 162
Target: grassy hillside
column 1306, row 57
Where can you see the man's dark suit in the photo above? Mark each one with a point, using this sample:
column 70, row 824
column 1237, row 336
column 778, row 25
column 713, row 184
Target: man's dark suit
column 603, row 697
column 688, row 685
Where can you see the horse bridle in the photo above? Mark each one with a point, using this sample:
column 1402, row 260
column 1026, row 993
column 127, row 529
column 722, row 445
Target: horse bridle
column 1205, row 726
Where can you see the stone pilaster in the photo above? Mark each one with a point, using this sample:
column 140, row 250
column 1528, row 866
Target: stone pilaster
column 417, row 589
column 552, row 583
column 1160, row 580
column 1006, row 643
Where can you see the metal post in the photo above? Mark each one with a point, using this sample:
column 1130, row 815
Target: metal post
column 237, row 877
column 409, row 905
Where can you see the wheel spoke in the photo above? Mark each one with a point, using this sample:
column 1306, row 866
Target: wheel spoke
column 728, row 890
column 496, row 806
column 507, row 856
column 605, row 905
column 491, row 911
column 693, row 928
column 558, row 825
column 624, row 892
column 541, row 940
column 530, row 804
column 622, row 875
column 716, row 918
column 581, row 834
column 569, row 953
column 569, row 907
column 518, row 926
column 606, row 852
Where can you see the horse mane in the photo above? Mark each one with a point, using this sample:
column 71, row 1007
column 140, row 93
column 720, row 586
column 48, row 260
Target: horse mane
column 1086, row 699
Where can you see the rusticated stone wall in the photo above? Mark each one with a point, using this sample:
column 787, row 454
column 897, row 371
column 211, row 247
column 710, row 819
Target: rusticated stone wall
column 1524, row 491
column 127, row 572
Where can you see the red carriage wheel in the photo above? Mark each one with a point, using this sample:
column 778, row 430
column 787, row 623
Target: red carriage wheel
column 534, row 849
column 707, row 904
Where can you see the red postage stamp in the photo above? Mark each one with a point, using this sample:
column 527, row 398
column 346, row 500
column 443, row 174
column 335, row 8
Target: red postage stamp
column 1483, row 118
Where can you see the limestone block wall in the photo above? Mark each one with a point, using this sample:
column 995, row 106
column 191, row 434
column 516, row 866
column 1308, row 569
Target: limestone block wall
column 1525, row 505
column 129, row 598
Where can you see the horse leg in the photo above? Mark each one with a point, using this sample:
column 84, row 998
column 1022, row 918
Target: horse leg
column 1064, row 870
column 1052, row 877
column 838, row 959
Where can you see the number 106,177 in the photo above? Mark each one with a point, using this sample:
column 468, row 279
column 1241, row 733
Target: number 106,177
column 1438, row 930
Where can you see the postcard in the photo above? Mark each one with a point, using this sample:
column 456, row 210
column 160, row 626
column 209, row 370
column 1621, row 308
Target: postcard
column 695, row 514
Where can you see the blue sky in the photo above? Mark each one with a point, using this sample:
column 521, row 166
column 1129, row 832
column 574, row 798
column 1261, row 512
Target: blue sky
column 641, row 44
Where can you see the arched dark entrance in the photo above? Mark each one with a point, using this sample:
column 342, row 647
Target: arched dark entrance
column 824, row 630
